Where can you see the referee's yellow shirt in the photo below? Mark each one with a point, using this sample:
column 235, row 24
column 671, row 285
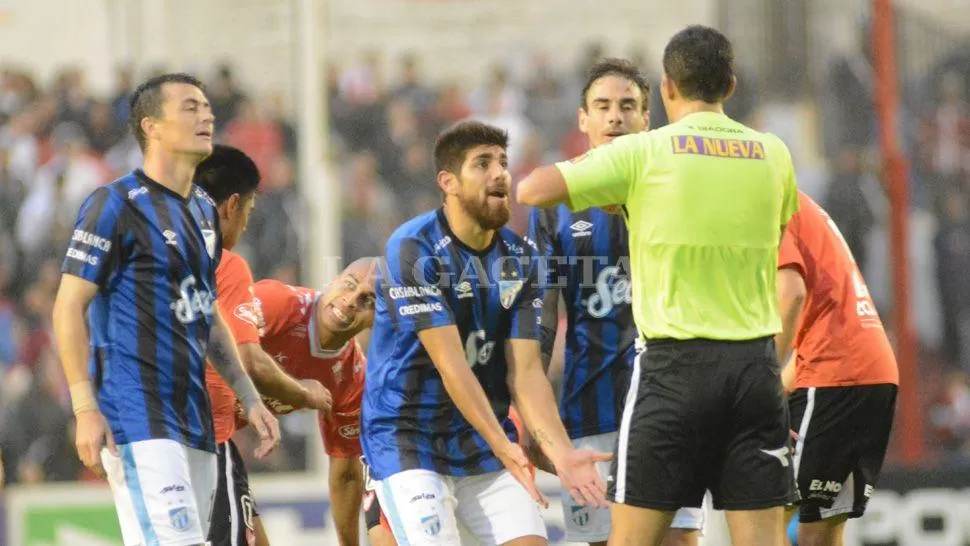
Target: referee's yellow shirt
column 707, row 199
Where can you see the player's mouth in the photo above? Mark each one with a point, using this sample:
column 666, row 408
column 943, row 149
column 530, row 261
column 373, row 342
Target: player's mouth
column 205, row 133
column 342, row 318
column 500, row 194
column 614, row 134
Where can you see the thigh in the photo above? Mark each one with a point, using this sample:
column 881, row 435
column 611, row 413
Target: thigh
column 153, row 491
column 420, row 507
column 757, row 469
column 496, row 509
column 233, row 508
column 843, row 436
column 656, row 461
column 587, row 523
column 203, row 469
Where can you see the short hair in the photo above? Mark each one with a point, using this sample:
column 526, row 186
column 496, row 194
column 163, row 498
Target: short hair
column 700, row 61
column 226, row 171
column 147, row 100
column 454, row 142
column 621, row 68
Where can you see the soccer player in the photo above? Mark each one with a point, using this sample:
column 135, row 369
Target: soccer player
column 231, row 178
column 455, row 341
column 589, row 251
column 312, row 335
column 843, row 374
column 708, row 200
column 144, row 253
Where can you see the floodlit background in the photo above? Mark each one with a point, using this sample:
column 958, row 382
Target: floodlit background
column 338, row 101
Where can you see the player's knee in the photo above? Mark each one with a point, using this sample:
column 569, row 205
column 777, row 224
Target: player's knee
column 827, row 532
column 682, row 537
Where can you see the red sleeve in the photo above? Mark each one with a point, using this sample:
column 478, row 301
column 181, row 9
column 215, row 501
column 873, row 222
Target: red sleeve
column 234, row 283
column 788, row 254
column 280, row 305
column 341, row 427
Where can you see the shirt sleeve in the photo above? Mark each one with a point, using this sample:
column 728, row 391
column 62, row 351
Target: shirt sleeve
column 93, row 251
column 605, row 175
column 790, row 198
column 527, row 310
column 410, row 286
column 544, row 241
column 236, row 301
column 340, row 428
column 788, row 254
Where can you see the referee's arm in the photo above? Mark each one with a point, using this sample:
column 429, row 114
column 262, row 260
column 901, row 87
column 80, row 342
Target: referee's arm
column 600, row 177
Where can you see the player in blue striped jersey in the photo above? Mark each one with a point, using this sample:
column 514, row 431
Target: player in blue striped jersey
column 455, row 341
column 588, row 260
column 142, row 264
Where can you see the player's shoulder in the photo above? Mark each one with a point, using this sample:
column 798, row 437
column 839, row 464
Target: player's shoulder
column 423, row 228
column 515, row 244
column 232, row 262
column 201, row 195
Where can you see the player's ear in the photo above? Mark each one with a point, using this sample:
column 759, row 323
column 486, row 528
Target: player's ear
column 731, row 88
column 667, row 88
column 447, row 182
column 646, row 120
column 582, row 120
column 148, row 127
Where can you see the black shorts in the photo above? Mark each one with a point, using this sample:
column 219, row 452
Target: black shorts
column 373, row 516
column 843, row 433
column 703, row 414
column 233, row 507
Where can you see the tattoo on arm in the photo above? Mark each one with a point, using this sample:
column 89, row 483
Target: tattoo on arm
column 547, row 341
column 542, row 439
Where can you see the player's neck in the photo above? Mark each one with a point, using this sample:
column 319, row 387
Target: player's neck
column 468, row 231
column 684, row 109
column 172, row 171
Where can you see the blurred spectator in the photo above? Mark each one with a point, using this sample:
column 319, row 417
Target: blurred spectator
column 124, row 87
column 273, row 243
column 953, row 261
column 846, row 203
column 369, row 209
column 47, row 215
column 950, row 417
column 102, row 129
column 411, row 89
column 254, row 133
column 944, row 144
column 225, row 97
column 363, row 84
column 37, row 437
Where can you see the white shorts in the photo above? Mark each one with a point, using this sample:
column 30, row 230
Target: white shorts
column 162, row 491
column 427, row 508
column 588, row 524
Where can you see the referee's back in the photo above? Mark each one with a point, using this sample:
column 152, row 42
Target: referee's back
column 707, row 197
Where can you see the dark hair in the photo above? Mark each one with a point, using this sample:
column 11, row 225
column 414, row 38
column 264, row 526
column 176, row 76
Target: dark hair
column 454, row 142
column 226, row 171
column 616, row 67
column 700, row 61
column 147, row 100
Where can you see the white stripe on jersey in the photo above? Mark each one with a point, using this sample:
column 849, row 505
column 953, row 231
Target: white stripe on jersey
column 622, row 448
column 231, row 496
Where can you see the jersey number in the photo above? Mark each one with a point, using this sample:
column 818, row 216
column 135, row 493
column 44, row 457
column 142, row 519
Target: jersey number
column 863, row 305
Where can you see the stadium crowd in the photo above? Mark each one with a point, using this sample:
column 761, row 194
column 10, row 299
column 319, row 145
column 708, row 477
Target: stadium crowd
column 59, row 142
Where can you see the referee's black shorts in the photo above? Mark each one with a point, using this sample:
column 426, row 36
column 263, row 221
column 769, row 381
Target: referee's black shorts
column 703, row 414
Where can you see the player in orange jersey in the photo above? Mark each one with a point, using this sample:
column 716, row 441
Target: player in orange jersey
column 841, row 370
column 231, row 179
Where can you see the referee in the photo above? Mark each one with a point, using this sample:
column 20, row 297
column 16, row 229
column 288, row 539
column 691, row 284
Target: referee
column 708, row 200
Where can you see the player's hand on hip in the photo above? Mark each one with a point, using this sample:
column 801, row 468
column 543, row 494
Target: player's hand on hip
column 268, row 428
column 578, row 474
column 90, row 435
column 515, row 460
column 318, row 396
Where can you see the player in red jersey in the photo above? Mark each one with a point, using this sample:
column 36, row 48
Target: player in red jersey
column 231, row 179
column 841, row 370
column 312, row 335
